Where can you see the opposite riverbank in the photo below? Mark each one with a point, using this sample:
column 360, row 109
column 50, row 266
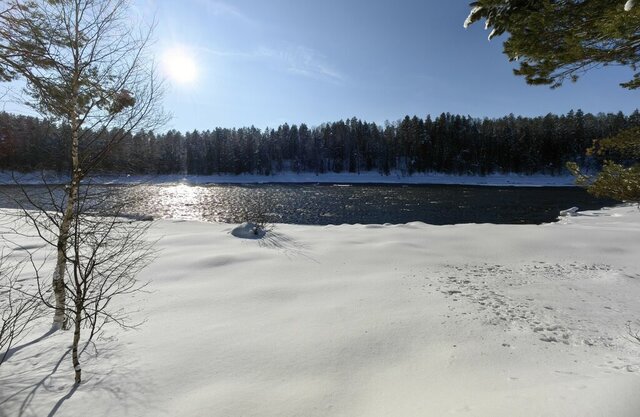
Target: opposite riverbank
column 499, row 180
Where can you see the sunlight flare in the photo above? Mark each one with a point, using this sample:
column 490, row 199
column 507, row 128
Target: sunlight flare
column 179, row 65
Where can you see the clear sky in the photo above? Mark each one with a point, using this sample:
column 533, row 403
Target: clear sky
column 236, row 63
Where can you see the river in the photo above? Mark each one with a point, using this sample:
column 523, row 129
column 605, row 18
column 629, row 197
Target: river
column 338, row 204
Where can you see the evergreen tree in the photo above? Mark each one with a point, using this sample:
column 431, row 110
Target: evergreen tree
column 558, row 40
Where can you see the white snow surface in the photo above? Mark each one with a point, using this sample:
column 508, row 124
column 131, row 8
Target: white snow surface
column 534, row 180
column 361, row 320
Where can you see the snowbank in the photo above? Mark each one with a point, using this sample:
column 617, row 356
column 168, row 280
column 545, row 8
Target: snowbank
column 363, row 320
column 536, row 180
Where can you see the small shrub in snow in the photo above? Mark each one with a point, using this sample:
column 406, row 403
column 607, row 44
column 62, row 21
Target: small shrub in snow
column 249, row 230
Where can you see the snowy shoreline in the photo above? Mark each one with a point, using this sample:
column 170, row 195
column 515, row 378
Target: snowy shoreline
column 406, row 320
column 496, row 180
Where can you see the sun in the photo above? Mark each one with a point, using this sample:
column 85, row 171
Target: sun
column 179, row 65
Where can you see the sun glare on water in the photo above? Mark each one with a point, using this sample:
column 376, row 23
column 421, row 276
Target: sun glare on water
column 179, row 65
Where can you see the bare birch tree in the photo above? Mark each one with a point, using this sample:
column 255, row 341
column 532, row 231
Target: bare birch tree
column 106, row 252
column 107, row 248
column 86, row 65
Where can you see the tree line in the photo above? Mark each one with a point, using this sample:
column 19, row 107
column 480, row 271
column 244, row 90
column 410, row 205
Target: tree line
column 448, row 143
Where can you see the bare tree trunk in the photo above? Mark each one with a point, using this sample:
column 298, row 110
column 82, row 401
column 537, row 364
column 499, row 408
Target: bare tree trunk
column 60, row 319
column 76, row 341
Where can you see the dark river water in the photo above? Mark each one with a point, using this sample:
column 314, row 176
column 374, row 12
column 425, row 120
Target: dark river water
column 334, row 204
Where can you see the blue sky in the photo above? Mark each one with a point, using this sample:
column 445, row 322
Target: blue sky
column 264, row 63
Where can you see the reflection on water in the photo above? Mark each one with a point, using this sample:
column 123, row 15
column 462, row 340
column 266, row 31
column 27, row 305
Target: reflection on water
column 326, row 204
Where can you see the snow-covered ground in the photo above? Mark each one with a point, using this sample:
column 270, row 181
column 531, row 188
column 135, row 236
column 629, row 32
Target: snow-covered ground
column 363, row 320
column 536, row 180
